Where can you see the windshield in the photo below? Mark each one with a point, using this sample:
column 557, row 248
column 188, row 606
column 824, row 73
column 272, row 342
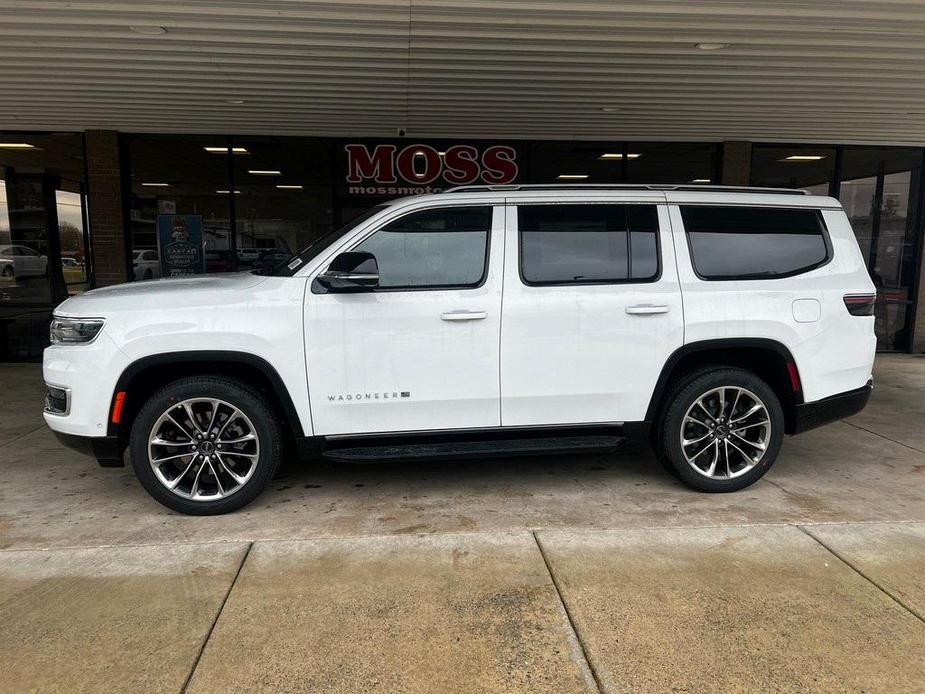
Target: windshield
column 290, row 266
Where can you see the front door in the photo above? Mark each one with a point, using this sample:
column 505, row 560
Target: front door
column 592, row 310
column 421, row 351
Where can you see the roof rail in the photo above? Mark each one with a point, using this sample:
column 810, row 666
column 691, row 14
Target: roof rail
column 511, row 187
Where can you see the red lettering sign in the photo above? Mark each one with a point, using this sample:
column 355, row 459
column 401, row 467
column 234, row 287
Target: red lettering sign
column 411, row 168
column 499, row 164
column 422, row 164
column 380, row 166
column 461, row 164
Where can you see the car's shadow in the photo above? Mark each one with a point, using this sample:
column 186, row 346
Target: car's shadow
column 634, row 458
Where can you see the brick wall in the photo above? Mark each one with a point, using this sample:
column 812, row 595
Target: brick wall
column 737, row 163
column 105, row 207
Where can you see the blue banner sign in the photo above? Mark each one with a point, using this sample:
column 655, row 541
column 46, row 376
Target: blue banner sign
column 179, row 240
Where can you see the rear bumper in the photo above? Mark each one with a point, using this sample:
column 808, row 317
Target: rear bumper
column 814, row 414
column 107, row 450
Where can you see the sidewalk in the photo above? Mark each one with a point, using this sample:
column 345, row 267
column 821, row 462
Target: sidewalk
column 543, row 575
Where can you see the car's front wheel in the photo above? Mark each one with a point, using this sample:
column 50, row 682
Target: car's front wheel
column 721, row 429
column 205, row 445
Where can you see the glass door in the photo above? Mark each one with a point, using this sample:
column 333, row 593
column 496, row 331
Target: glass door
column 42, row 236
column 879, row 190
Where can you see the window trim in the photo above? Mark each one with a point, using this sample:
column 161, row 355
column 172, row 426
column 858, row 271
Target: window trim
column 826, row 240
column 592, row 283
column 435, row 287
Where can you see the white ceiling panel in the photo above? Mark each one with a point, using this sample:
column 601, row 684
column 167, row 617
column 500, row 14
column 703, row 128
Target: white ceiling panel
column 823, row 71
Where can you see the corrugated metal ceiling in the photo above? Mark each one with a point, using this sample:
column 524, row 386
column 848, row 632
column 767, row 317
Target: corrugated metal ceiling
column 831, row 70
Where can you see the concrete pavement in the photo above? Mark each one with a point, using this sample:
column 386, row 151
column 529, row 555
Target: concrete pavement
column 562, row 574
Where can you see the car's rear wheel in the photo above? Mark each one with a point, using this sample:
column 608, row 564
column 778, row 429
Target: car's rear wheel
column 205, row 445
column 721, row 429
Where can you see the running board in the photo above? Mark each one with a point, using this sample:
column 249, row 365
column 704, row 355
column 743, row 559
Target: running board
column 477, row 449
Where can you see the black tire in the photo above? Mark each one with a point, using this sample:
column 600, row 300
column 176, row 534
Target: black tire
column 684, row 395
column 7, row 273
column 250, row 402
column 655, row 442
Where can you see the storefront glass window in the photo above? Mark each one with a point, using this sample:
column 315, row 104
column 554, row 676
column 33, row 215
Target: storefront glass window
column 191, row 190
column 680, row 162
column 879, row 189
column 793, row 166
column 180, row 193
column 42, row 254
column 622, row 162
column 283, row 200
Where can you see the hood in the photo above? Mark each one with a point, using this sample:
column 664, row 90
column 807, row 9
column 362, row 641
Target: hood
column 177, row 291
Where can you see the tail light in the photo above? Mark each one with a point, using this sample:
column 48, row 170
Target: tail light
column 860, row 304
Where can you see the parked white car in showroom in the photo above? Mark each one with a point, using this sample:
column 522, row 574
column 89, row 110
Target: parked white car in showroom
column 483, row 321
column 146, row 265
column 25, row 261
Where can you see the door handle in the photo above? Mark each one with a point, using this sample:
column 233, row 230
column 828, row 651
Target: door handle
column 645, row 309
column 463, row 315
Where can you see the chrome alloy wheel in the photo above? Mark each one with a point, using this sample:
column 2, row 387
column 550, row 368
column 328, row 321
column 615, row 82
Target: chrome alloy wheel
column 203, row 449
column 725, row 432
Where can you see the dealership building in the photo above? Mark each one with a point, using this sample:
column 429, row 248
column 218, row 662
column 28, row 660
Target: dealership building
column 254, row 128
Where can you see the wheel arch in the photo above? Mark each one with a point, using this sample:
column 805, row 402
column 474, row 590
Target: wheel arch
column 769, row 359
column 143, row 376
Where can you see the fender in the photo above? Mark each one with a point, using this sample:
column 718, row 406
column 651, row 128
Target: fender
column 211, row 357
column 731, row 343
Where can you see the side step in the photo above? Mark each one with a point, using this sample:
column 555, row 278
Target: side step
column 477, row 449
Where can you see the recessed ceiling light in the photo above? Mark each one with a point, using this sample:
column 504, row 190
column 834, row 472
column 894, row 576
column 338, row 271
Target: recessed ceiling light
column 226, row 192
column 803, row 157
column 611, row 109
column 148, row 30
column 289, row 187
column 572, row 177
column 440, row 154
column 619, row 155
column 225, row 150
column 708, row 46
column 16, row 145
column 264, row 172
column 156, row 185
column 234, row 101
column 701, row 180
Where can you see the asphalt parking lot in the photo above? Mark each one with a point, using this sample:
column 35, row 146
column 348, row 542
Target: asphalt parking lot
column 554, row 574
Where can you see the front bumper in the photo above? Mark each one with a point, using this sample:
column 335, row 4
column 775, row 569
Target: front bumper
column 87, row 374
column 814, row 414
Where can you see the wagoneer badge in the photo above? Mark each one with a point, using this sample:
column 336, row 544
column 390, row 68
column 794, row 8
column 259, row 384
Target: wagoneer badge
column 358, row 397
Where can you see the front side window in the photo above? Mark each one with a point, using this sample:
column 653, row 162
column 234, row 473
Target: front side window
column 588, row 243
column 438, row 249
column 754, row 242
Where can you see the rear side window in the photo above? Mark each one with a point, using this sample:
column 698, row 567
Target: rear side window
column 432, row 249
column 588, row 244
column 754, row 242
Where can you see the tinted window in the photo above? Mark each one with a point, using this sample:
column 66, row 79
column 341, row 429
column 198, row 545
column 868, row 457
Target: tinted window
column 749, row 242
column 445, row 247
column 574, row 244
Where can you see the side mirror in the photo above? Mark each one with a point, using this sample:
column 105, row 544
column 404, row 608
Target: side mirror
column 353, row 271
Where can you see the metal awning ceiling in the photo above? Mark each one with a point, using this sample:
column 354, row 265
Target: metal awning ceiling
column 824, row 71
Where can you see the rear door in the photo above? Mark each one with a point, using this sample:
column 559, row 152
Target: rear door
column 591, row 310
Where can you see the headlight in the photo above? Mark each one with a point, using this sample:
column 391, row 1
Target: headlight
column 75, row 330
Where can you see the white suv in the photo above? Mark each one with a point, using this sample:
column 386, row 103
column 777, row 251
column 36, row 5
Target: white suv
column 482, row 321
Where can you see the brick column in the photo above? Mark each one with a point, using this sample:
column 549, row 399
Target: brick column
column 737, row 163
column 104, row 188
